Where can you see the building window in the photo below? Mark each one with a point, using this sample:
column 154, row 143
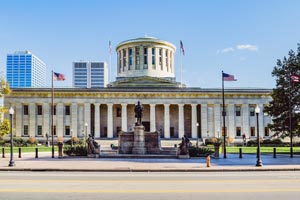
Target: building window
column 54, row 110
column 25, row 109
column 39, row 130
column 238, row 111
column 54, row 130
column 153, row 58
column 224, row 132
column 167, row 60
column 119, row 112
column 238, row 131
column 252, row 111
column 67, row 110
column 130, row 58
column 267, row 131
column 252, row 131
column 39, row 110
column 25, row 133
column 124, row 59
column 137, row 58
column 160, row 59
column 145, row 57
column 67, row 131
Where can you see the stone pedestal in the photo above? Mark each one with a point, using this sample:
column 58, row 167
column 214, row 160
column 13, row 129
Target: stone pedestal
column 60, row 149
column 139, row 140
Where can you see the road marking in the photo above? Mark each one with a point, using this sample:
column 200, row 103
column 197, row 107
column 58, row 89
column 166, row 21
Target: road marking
column 147, row 191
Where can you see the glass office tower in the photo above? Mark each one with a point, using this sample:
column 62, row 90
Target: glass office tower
column 25, row 70
column 90, row 74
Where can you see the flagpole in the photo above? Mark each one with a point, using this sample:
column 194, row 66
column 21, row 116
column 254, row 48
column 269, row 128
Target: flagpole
column 52, row 112
column 223, row 114
column 109, row 67
column 181, row 68
column 290, row 118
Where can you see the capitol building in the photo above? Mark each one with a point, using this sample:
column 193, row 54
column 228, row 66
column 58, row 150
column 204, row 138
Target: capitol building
column 145, row 73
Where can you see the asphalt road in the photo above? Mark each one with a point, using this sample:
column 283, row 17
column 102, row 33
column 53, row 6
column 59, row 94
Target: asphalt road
column 154, row 186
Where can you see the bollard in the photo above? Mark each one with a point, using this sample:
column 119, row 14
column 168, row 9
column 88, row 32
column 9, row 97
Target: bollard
column 208, row 161
column 36, row 153
column 20, row 152
column 3, row 152
column 241, row 153
column 274, row 152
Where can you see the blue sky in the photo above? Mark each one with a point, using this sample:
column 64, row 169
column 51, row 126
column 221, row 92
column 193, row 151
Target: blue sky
column 243, row 38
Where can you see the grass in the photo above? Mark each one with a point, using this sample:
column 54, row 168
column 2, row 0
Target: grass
column 30, row 149
column 252, row 150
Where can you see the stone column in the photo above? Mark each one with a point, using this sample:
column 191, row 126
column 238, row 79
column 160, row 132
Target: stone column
column 180, row 120
column 19, row 120
column 110, row 120
column 218, row 120
column 87, row 119
column 261, row 121
column 163, row 57
column 127, row 59
column 157, row 58
column 167, row 120
column 204, row 116
column 194, row 121
column 121, row 62
column 32, row 120
column 74, row 119
column 124, row 117
column 133, row 59
column 46, row 119
column 97, row 120
column 245, row 120
column 60, row 119
column 169, row 64
column 152, row 118
column 231, row 120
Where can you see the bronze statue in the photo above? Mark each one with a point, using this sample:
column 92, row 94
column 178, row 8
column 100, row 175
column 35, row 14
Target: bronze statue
column 92, row 145
column 184, row 145
column 138, row 109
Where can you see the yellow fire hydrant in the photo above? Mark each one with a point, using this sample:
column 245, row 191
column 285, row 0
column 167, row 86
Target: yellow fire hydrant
column 208, row 161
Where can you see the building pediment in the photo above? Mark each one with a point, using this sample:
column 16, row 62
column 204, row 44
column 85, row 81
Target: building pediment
column 144, row 81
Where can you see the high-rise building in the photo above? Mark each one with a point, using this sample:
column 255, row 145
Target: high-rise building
column 90, row 74
column 25, row 70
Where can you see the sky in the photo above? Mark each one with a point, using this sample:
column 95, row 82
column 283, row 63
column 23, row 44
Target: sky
column 243, row 38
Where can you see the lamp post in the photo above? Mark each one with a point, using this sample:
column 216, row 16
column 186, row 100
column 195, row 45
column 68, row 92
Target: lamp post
column 11, row 162
column 197, row 124
column 258, row 162
column 85, row 135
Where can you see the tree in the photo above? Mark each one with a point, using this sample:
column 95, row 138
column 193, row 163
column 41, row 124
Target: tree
column 4, row 123
column 4, row 127
column 286, row 96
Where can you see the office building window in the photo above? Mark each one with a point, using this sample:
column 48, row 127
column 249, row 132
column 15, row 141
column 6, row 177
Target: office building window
column 39, row 130
column 67, row 110
column 238, row 111
column 267, row 131
column 238, row 131
column 25, row 109
column 67, row 131
column 25, row 133
column 252, row 111
column 252, row 131
column 39, row 110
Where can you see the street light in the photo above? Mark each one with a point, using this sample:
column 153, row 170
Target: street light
column 85, row 135
column 197, row 124
column 11, row 162
column 258, row 162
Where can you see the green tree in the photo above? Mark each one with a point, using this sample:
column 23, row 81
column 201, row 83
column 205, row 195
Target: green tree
column 4, row 124
column 4, row 127
column 286, row 91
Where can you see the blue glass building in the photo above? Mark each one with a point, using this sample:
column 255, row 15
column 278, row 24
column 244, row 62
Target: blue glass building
column 25, row 70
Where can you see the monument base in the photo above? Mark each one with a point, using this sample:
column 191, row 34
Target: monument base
column 139, row 140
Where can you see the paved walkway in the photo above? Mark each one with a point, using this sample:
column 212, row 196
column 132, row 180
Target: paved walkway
column 28, row 162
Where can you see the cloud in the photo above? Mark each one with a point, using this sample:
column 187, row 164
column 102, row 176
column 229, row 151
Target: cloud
column 248, row 47
column 226, row 50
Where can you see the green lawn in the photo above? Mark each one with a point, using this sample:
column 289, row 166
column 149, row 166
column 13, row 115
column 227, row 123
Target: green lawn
column 262, row 149
column 30, row 149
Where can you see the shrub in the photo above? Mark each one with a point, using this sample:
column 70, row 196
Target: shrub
column 60, row 139
column 19, row 142
column 76, row 150
column 199, row 152
column 32, row 141
column 212, row 141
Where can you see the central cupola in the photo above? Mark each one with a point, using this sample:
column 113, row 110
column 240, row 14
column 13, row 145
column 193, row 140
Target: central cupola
column 145, row 56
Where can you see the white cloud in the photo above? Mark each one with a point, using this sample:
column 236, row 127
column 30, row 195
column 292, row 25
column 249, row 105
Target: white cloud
column 248, row 47
column 226, row 50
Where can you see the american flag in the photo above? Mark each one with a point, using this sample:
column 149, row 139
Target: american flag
column 181, row 47
column 228, row 77
column 295, row 78
column 58, row 76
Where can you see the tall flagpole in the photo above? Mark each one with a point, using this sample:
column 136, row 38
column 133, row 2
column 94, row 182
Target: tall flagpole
column 110, row 67
column 290, row 117
column 223, row 114
column 181, row 68
column 52, row 112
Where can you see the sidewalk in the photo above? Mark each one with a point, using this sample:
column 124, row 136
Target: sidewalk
column 28, row 162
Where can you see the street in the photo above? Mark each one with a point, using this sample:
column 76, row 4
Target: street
column 131, row 185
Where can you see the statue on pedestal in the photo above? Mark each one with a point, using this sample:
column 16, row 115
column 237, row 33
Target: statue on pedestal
column 93, row 146
column 184, row 146
column 138, row 109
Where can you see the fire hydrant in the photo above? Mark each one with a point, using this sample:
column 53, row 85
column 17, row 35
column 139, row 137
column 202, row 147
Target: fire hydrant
column 208, row 161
